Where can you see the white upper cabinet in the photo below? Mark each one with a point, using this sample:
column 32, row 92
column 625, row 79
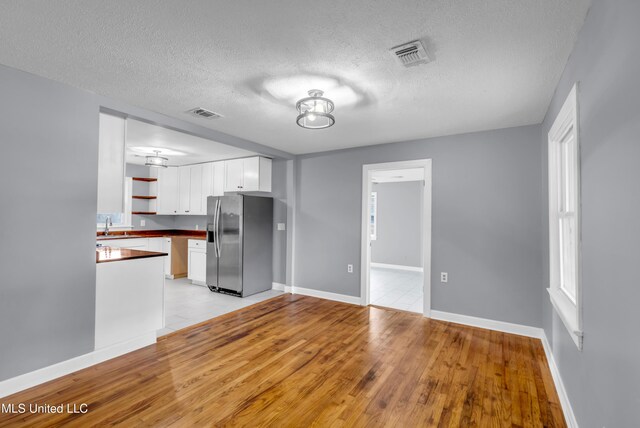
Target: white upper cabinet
column 184, row 190
column 196, row 190
column 234, row 171
column 195, row 182
column 184, row 194
column 168, row 188
column 248, row 175
column 111, row 144
column 217, row 175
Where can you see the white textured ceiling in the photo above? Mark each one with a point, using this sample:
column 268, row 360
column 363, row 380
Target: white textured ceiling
column 496, row 63
column 180, row 148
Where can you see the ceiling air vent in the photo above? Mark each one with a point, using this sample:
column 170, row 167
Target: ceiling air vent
column 202, row 112
column 410, row 54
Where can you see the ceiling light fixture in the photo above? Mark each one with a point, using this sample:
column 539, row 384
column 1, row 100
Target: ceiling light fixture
column 156, row 160
column 315, row 111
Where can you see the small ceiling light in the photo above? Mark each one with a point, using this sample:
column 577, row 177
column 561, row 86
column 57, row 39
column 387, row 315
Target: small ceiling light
column 156, row 160
column 315, row 111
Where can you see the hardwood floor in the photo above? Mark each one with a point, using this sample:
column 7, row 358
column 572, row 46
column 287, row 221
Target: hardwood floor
column 301, row 361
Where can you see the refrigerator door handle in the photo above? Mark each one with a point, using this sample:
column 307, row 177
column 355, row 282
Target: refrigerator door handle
column 218, row 211
column 215, row 227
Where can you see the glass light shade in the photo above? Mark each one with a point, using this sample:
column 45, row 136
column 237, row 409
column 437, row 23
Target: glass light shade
column 156, row 160
column 315, row 111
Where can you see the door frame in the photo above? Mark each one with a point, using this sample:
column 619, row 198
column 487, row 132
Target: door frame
column 365, row 248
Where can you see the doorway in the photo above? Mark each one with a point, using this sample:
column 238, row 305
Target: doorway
column 396, row 235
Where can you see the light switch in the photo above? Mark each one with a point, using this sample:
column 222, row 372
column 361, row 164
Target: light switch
column 281, row 226
column 142, row 223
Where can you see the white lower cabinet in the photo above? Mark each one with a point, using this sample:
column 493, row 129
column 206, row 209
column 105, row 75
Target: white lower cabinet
column 166, row 248
column 162, row 245
column 197, row 261
column 155, row 244
column 129, row 300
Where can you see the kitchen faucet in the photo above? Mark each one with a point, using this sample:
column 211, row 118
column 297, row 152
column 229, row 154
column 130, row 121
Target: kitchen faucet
column 107, row 223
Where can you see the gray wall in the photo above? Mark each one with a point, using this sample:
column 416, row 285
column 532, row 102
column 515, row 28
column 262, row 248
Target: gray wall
column 486, row 223
column 399, row 224
column 603, row 381
column 48, row 185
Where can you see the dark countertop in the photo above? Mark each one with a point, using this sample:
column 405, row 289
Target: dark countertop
column 109, row 254
column 131, row 234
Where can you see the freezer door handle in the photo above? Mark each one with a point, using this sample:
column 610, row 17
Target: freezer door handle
column 218, row 209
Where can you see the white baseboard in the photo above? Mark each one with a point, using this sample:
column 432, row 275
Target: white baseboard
column 288, row 289
column 569, row 416
column 45, row 374
column 327, row 295
column 277, row 286
column 399, row 267
column 505, row 327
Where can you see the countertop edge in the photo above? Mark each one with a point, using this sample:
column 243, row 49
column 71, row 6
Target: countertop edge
column 129, row 255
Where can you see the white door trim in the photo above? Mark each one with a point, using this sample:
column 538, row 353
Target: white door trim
column 365, row 247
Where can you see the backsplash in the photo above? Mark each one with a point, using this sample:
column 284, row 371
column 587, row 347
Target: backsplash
column 161, row 222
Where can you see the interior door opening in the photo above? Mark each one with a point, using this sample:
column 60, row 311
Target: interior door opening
column 396, row 235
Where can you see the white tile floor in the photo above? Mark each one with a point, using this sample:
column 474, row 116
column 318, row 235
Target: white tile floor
column 187, row 304
column 398, row 289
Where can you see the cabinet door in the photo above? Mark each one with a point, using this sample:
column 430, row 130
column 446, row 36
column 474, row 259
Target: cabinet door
column 197, row 270
column 251, row 174
column 207, row 185
column 155, row 244
column 196, row 191
column 167, row 202
column 166, row 248
column 184, row 193
column 233, row 179
column 218, row 179
column 265, row 174
column 111, row 142
column 133, row 243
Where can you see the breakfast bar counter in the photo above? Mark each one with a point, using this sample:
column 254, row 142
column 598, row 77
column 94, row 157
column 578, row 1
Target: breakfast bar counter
column 110, row 254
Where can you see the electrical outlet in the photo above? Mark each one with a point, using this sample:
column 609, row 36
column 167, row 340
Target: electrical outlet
column 281, row 226
column 444, row 277
column 197, row 227
column 142, row 223
column 349, row 268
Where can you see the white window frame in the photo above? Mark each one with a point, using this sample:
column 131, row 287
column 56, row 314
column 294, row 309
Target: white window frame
column 127, row 221
column 373, row 201
column 564, row 129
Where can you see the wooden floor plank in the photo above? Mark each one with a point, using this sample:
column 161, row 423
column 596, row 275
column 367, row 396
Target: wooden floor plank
column 302, row 361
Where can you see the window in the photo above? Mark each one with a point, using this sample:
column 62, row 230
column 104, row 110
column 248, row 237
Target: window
column 564, row 218
column 373, row 215
column 119, row 220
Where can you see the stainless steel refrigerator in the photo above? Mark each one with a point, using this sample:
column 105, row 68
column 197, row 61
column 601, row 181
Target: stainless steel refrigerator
column 239, row 244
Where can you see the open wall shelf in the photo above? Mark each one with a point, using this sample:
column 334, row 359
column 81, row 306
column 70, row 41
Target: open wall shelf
column 144, row 195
